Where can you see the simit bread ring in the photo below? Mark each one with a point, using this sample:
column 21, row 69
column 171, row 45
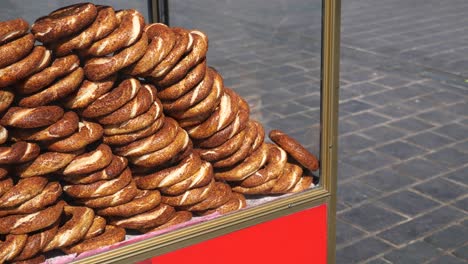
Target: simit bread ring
column 23, row 191
column 273, row 169
column 178, row 218
column 87, row 133
column 58, row 90
column 90, row 162
column 99, row 188
column 23, row 68
column 159, row 157
column 226, row 149
column 291, row 175
column 5, row 185
column 64, row 22
column 12, row 29
column 103, row 25
column 4, row 171
column 6, row 98
column 246, row 168
column 48, row 196
column 295, row 149
column 172, row 175
column 36, row 242
column 143, row 202
column 123, row 139
column 218, row 196
column 130, row 27
column 201, row 178
column 15, row 50
column 113, row 100
column 159, row 140
column 135, row 107
column 111, row 235
column 35, row 260
column 139, row 122
column 19, row 152
column 189, row 197
column 22, row 224
column 31, row 117
column 114, row 169
column 303, row 183
column 102, row 67
column 162, row 40
column 154, row 217
column 3, row 135
column 12, row 247
column 97, row 227
column 260, row 137
column 89, row 92
column 263, row 188
column 66, row 126
column 236, row 202
column 60, row 67
column 123, row 196
column 81, row 219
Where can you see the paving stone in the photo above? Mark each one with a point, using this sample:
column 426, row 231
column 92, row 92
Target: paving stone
column 441, row 189
column 312, row 100
column 460, row 109
column 346, row 171
column 411, row 124
column 421, row 225
column 368, row 160
column 463, row 147
column 340, row 206
column 378, row 261
column 437, row 116
column 451, row 237
column 382, row 133
column 346, row 126
column 401, row 150
column 392, row 81
column 420, row 168
column 395, row 110
column 462, row 204
column 364, row 120
column 346, row 233
column 449, row 156
column 447, row 259
column 353, row 143
column 352, row 193
column 362, row 250
column 371, row 217
column 462, row 252
column 408, row 202
column 455, row 131
column 429, row 140
column 387, row 180
column 381, row 98
column 364, row 88
column 417, row 252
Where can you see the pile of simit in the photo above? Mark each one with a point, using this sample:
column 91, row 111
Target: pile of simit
column 129, row 122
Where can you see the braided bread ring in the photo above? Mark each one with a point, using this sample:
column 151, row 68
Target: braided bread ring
column 143, row 202
column 179, row 49
column 273, row 169
column 244, row 150
column 123, row 139
column 124, row 195
column 137, row 123
column 60, row 67
column 14, row 51
column 248, row 167
column 48, row 196
column 32, row 117
column 159, row 140
column 58, row 90
column 154, row 217
column 66, row 126
column 87, row 133
column 162, row 41
column 260, row 137
column 74, row 229
column 161, row 156
column 103, row 25
column 219, row 195
column 99, row 188
column 23, row 191
column 111, row 235
column 179, row 217
column 6, row 98
column 115, row 168
column 22, row 224
column 3, row 135
column 189, row 197
column 193, row 77
column 23, row 68
column 90, row 162
column 290, row 177
column 130, row 27
column 200, row 178
column 135, row 107
column 44, row 62
column 64, row 22
column 19, row 152
column 224, row 150
column 236, row 202
column 3, row 172
column 5, row 185
column 12, row 247
column 172, row 175
column 12, row 29
column 97, row 227
column 303, row 183
column 44, row 164
column 295, row 149
column 114, row 99
column 102, row 67
column 89, row 92
column 260, row 189
column 36, row 242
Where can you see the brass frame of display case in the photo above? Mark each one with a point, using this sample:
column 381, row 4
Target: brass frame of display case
column 325, row 193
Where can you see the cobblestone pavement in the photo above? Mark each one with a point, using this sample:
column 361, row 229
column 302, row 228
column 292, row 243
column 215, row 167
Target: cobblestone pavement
column 403, row 152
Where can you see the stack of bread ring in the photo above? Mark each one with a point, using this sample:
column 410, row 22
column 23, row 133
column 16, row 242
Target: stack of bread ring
column 131, row 124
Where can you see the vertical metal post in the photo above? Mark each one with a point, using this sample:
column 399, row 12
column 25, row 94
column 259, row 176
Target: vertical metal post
column 159, row 11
